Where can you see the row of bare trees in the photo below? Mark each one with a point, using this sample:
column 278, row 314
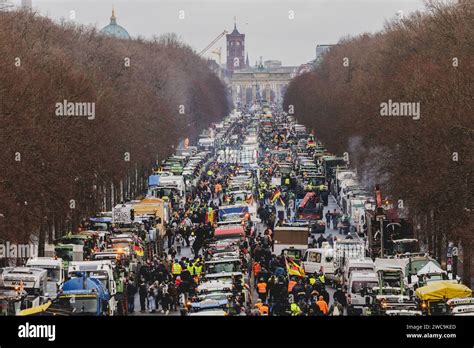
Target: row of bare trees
column 426, row 163
column 55, row 170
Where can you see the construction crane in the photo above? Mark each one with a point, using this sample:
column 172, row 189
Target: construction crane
column 213, row 42
column 217, row 51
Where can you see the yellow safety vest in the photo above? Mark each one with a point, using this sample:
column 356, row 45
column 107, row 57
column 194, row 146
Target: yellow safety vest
column 190, row 268
column 287, row 181
column 198, row 269
column 176, row 269
column 295, row 309
column 322, row 278
column 312, row 280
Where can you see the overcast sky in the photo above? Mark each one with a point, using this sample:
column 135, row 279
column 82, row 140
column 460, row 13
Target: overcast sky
column 269, row 30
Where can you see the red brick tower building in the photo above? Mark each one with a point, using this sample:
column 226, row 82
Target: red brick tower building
column 235, row 51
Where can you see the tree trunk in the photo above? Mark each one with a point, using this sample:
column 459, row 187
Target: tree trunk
column 467, row 262
column 41, row 238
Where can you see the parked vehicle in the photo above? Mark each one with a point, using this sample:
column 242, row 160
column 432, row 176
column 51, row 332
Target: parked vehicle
column 461, row 306
column 434, row 296
column 358, row 284
column 22, row 288
column 101, row 270
column 357, row 265
column 85, row 295
column 290, row 238
column 319, row 259
column 66, row 252
column 55, row 272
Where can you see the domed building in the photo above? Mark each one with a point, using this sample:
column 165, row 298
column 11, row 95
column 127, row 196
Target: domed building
column 115, row 30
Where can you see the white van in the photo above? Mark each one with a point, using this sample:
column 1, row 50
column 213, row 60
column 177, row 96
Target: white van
column 316, row 259
column 357, row 281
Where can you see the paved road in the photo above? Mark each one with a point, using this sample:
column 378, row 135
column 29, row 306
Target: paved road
column 186, row 252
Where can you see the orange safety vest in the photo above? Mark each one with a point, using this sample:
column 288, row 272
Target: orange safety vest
column 262, row 288
column 263, row 309
column 291, row 285
column 323, row 306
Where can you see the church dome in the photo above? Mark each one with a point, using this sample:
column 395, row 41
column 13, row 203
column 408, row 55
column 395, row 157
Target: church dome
column 115, row 30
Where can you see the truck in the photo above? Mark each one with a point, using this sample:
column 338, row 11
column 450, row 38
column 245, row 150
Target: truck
column 291, row 240
column 171, row 186
column 397, row 233
column 357, row 265
column 222, row 267
column 345, row 250
column 101, row 270
column 12, row 301
column 359, row 281
column 206, row 144
column 85, row 295
column 55, row 272
column 331, row 164
column 65, row 252
column 309, row 208
column 21, row 288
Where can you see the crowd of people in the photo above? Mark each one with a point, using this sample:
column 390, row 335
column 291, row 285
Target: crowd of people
column 274, row 288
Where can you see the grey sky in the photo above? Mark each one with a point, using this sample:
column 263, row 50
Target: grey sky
column 269, row 31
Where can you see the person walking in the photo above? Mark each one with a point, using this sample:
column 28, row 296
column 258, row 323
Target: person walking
column 340, row 297
column 188, row 224
column 262, row 290
column 336, row 309
column 131, row 291
column 328, row 219
column 323, row 305
column 256, row 268
column 151, row 298
column 335, row 216
column 142, row 292
column 173, row 292
column 178, row 242
column 176, row 269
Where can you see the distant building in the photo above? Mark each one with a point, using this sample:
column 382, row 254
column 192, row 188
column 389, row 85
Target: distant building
column 5, row 5
column 115, row 30
column 26, row 4
column 269, row 64
column 321, row 49
column 304, row 68
column 266, row 82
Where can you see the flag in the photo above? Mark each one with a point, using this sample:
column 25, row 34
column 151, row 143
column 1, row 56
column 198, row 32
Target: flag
column 282, row 202
column 293, row 268
column 275, row 195
column 138, row 250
